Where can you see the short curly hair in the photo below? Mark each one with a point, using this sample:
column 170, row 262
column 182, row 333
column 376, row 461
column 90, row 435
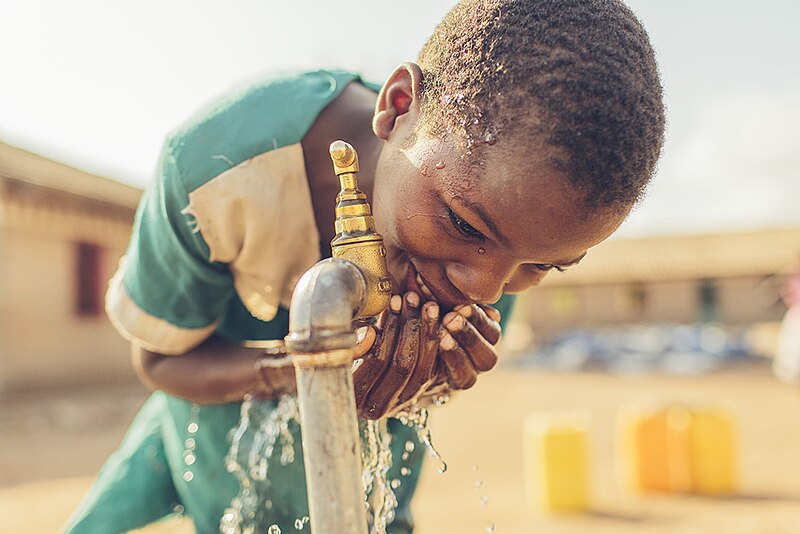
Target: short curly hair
column 577, row 75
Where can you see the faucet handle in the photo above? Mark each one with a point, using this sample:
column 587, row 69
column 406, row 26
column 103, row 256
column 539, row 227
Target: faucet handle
column 344, row 156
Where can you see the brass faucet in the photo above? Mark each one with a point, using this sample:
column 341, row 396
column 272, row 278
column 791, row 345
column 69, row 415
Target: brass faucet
column 356, row 239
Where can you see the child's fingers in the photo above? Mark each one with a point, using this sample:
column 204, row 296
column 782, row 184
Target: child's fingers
column 458, row 366
column 379, row 356
column 366, row 338
column 428, row 348
column 383, row 393
column 482, row 320
column 491, row 311
column 482, row 354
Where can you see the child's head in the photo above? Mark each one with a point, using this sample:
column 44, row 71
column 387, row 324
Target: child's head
column 547, row 113
column 577, row 75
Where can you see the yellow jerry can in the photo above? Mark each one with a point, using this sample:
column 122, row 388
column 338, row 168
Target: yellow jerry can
column 556, row 462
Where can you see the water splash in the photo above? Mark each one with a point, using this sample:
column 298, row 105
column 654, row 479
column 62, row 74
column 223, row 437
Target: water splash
column 263, row 428
column 189, row 443
column 416, row 417
column 376, row 458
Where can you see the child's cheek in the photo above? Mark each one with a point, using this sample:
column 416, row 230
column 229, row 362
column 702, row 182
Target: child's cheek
column 418, row 230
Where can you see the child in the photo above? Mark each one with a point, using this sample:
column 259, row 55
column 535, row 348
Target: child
column 521, row 138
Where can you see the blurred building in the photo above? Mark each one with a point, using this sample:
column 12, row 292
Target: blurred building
column 62, row 232
column 730, row 278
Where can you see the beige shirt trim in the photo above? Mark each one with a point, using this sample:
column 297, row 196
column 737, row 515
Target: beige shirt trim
column 147, row 331
column 258, row 218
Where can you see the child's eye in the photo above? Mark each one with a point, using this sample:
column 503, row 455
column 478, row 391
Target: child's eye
column 548, row 267
column 463, row 226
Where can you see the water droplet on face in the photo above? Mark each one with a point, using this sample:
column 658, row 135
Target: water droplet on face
column 481, row 250
column 440, row 165
column 489, row 138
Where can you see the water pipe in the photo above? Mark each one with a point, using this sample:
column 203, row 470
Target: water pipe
column 329, row 297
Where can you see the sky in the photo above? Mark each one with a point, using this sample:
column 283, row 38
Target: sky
column 98, row 84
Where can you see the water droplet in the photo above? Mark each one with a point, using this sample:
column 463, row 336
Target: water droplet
column 490, row 528
column 189, row 458
column 274, row 529
column 188, row 476
column 298, row 524
column 395, row 483
column 192, row 428
column 405, row 456
column 440, row 165
column 405, row 471
column 178, row 509
column 489, row 138
column 481, row 250
column 409, row 446
column 189, row 443
column 478, row 484
column 484, row 500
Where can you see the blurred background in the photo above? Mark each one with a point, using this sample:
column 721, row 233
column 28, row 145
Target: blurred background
column 682, row 307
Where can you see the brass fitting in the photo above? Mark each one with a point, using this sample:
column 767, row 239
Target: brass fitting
column 356, row 239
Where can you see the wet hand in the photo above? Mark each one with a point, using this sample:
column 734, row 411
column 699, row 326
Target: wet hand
column 399, row 356
column 467, row 345
column 414, row 355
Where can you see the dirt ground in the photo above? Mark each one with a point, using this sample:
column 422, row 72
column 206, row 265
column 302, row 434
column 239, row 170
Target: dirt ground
column 52, row 444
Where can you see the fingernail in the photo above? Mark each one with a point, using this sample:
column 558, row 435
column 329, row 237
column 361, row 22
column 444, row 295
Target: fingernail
column 466, row 311
column 456, row 323
column 447, row 342
column 395, row 303
column 361, row 333
column 412, row 299
column 432, row 312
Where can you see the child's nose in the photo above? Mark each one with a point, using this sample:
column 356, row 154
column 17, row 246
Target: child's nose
column 480, row 284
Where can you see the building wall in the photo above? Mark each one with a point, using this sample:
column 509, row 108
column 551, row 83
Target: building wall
column 738, row 300
column 43, row 339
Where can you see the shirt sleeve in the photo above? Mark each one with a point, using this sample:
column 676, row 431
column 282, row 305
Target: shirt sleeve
column 166, row 295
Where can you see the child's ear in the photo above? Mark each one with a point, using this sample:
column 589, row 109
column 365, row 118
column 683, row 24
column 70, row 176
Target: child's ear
column 399, row 96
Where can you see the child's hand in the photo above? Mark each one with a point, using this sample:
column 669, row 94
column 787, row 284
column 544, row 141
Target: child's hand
column 400, row 361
